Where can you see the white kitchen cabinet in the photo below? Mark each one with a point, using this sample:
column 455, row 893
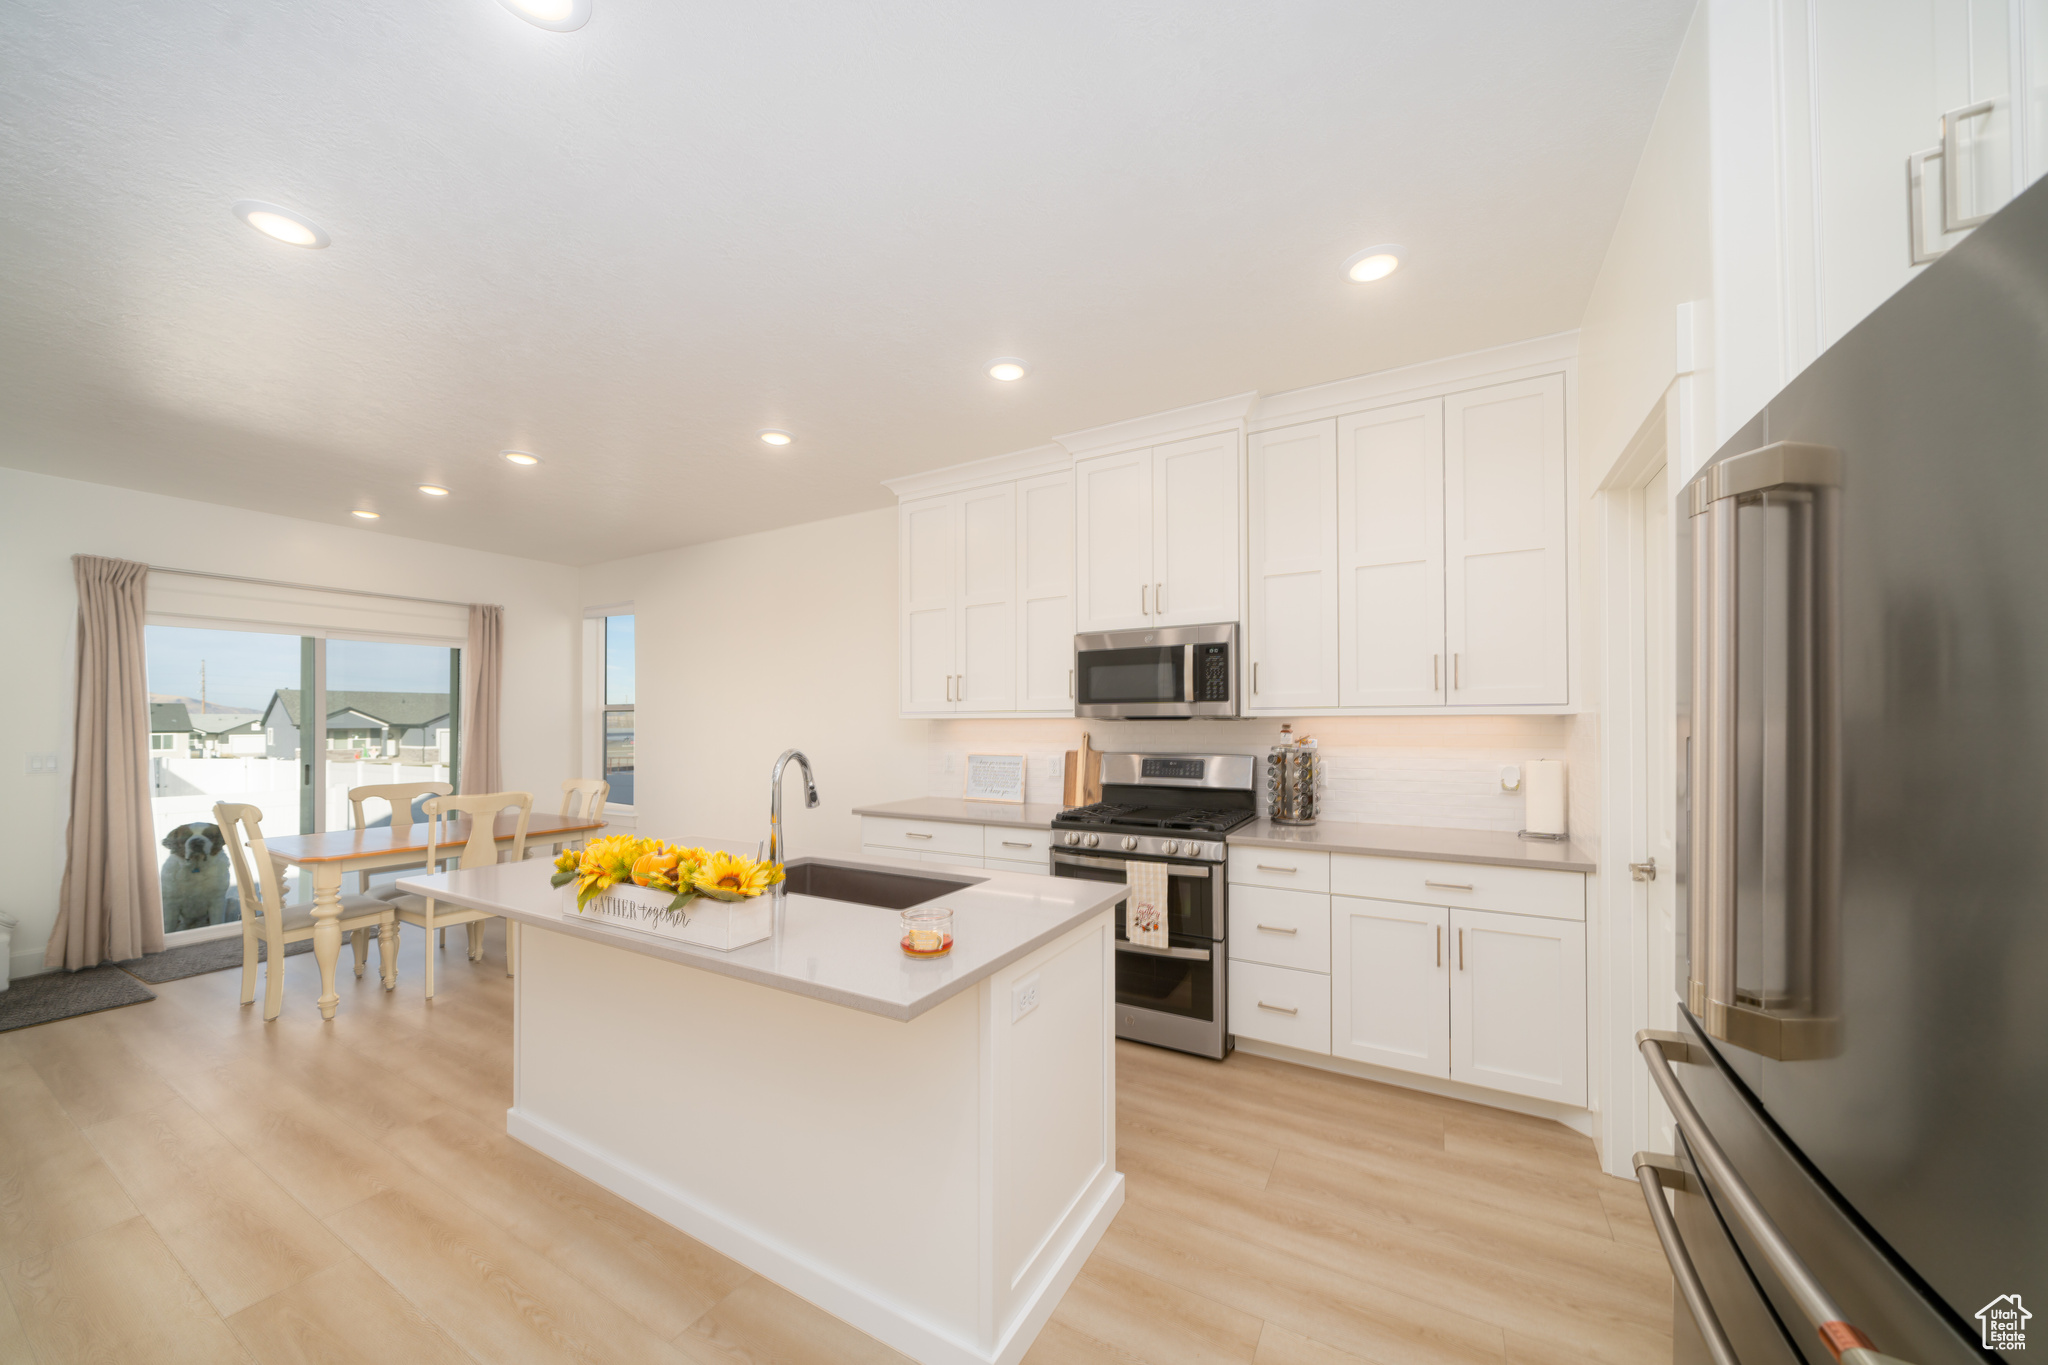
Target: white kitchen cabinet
column 927, row 559
column 1506, row 579
column 1045, row 594
column 959, row 583
column 1390, row 993
column 1156, row 535
column 1518, row 1004
column 1390, row 556
column 1113, row 541
column 1280, row 1005
column 1292, row 623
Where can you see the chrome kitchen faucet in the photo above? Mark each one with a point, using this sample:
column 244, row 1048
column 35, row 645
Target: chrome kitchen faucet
column 778, row 847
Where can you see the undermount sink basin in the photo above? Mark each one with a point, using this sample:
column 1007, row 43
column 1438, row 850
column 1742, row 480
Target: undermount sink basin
column 884, row 887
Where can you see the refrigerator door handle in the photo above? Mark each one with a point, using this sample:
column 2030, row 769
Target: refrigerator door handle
column 1843, row 1340
column 1657, row 1174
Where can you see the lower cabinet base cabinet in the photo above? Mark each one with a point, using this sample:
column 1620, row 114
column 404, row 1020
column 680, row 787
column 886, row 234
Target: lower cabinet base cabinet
column 1518, row 1004
column 1389, row 992
column 1280, row 1005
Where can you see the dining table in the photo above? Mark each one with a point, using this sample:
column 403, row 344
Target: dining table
column 329, row 857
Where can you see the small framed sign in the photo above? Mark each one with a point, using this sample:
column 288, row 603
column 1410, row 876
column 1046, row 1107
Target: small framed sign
column 996, row 777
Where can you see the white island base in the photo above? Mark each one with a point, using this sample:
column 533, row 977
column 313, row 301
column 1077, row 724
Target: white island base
column 937, row 1182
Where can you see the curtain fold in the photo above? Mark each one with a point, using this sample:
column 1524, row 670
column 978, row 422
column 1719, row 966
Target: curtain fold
column 110, row 908
column 483, row 671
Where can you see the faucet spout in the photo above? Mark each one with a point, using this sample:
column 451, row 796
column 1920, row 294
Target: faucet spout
column 778, row 843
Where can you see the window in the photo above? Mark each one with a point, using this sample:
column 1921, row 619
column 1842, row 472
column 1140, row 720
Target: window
column 617, row 718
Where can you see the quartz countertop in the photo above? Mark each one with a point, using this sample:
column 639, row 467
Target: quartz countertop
column 1494, row 847
column 954, row 810
column 833, row 951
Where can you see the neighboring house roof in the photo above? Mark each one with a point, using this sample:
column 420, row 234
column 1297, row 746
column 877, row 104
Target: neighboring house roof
column 396, row 709
column 225, row 722
column 169, row 717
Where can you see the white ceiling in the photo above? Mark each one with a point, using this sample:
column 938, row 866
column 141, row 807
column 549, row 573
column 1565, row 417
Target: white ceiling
column 629, row 247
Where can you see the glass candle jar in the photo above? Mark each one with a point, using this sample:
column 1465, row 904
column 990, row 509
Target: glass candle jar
column 928, row 931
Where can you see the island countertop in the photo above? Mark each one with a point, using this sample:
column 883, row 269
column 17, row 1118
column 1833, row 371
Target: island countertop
column 828, row 950
column 1416, row 841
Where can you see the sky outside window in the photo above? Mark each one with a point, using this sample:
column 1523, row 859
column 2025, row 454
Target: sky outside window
column 618, row 661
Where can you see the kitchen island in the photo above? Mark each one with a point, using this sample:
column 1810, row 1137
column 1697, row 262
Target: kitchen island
column 924, row 1148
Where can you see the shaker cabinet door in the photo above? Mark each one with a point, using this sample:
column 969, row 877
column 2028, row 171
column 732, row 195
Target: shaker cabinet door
column 1518, row 1004
column 926, row 552
column 1389, row 1000
column 1113, row 529
column 1195, row 555
column 986, row 673
column 1505, row 584
column 1045, row 594
column 1390, row 556
column 1293, row 617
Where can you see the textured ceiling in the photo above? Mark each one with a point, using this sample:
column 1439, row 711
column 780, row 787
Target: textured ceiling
column 629, row 247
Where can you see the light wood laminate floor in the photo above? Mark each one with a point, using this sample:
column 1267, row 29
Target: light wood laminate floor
column 179, row 1182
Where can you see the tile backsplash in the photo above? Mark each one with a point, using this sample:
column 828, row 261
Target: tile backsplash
column 1440, row 771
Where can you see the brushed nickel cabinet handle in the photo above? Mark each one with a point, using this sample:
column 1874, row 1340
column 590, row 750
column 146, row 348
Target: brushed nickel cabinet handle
column 1436, row 664
column 1280, row 1009
column 1277, row 929
column 1255, row 677
column 1012, row 843
column 1070, row 684
column 1143, row 610
column 1450, row 886
column 1461, row 950
column 1158, row 599
column 1439, row 945
column 1457, row 682
column 913, row 834
column 1275, row 867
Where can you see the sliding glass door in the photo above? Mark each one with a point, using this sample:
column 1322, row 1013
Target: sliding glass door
column 289, row 724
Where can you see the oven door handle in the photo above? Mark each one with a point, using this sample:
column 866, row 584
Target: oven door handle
column 1191, row 954
column 1119, row 864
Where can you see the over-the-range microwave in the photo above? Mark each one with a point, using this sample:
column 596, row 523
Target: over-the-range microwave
column 1167, row 673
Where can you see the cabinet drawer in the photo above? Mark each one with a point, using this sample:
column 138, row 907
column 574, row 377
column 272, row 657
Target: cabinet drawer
column 909, row 855
column 1016, row 845
column 1510, row 890
column 1290, row 869
column 1038, row 869
column 1280, row 1005
column 921, row 836
column 1280, row 928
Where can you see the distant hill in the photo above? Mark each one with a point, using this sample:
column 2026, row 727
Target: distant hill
column 214, row 705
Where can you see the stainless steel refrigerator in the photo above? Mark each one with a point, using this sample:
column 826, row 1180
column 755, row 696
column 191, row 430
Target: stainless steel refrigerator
column 1861, row 1075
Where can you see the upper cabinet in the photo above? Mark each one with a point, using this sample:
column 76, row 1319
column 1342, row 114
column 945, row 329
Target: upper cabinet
column 1157, row 535
column 986, row 597
column 1390, row 556
column 1291, row 636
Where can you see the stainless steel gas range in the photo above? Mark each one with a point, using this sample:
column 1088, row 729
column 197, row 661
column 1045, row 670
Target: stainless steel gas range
column 1173, row 809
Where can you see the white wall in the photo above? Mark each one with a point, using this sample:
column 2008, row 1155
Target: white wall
column 44, row 521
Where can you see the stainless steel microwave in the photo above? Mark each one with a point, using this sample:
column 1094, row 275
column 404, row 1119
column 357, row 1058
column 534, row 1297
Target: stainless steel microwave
column 1168, row 673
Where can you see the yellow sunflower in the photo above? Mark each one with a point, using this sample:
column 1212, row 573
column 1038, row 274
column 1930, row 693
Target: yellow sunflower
column 728, row 877
column 606, row 862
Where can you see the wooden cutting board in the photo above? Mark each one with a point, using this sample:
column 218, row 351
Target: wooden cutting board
column 1083, row 770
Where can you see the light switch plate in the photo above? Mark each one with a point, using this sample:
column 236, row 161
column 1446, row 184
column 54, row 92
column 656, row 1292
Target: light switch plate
column 1024, row 997
column 42, row 765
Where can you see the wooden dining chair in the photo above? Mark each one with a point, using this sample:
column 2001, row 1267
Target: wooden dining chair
column 480, row 849
column 400, row 795
column 582, row 798
column 265, row 913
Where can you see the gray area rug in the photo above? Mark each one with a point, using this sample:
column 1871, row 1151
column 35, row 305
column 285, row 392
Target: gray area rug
column 61, row 995
column 197, row 959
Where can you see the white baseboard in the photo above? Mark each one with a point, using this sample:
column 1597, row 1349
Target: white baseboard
column 888, row 1322
column 1578, row 1120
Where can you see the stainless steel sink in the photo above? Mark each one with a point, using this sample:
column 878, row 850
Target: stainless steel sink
column 863, row 885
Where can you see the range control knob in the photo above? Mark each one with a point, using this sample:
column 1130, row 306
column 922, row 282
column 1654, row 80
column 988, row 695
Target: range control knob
column 1172, row 847
column 1073, row 839
column 1092, row 841
column 1129, row 843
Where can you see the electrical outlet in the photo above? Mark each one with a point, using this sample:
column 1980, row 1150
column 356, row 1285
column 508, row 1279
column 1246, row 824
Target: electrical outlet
column 1510, row 777
column 42, row 765
column 1024, row 997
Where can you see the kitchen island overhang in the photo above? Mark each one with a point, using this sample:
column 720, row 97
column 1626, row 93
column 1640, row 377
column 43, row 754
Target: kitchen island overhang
column 923, row 1148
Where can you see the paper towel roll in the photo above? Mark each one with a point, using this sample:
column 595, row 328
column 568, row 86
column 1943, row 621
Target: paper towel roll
column 1543, row 796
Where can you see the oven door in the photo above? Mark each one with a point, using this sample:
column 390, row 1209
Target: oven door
column 1194, row 892
column 1156, row 674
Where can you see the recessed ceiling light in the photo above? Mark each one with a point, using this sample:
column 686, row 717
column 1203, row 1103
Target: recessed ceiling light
column 559, row 15
column 1008, row 369
column 1373, row 263
column 775, row 436
column 433, row 490
column 520, row 457
column 366, row 516
column 280, row 223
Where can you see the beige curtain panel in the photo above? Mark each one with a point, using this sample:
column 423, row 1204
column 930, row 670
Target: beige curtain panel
column 483, row 672
column 110, row 908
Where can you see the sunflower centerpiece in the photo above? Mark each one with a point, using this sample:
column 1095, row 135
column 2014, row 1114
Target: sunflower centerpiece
column 660, row 886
